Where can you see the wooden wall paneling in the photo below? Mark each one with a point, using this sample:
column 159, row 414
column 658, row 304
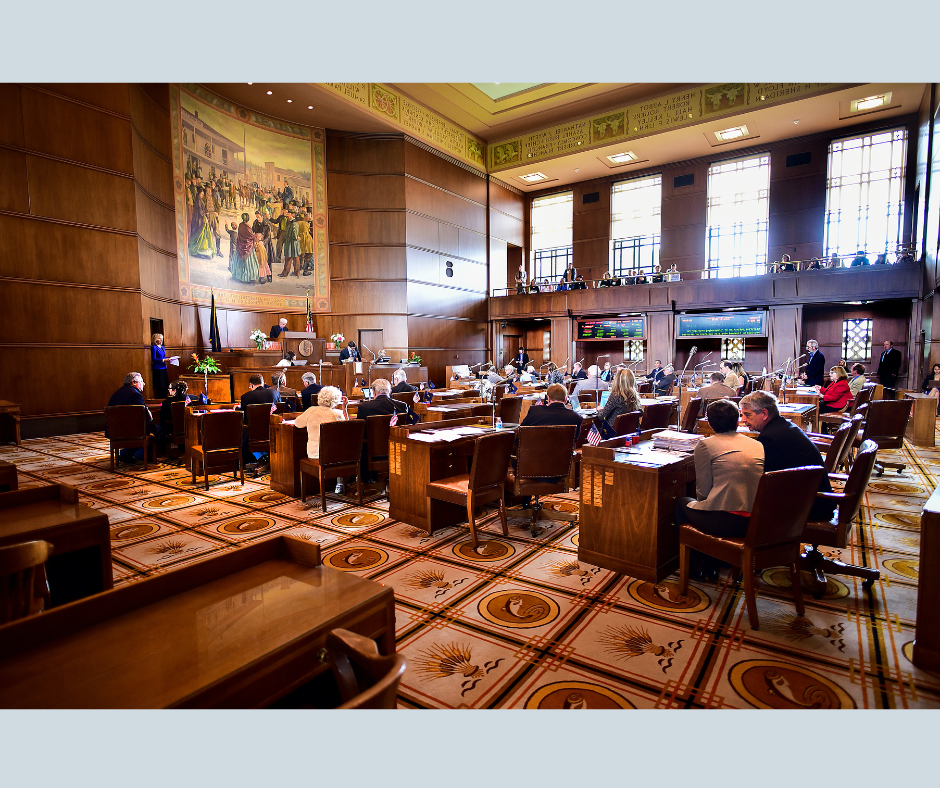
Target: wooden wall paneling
column 448, row 239
column 357, row 227
column 150, row 117
column 11, row 119
column 694, row 293
column 507, row 228
column 500, row 273
column 435, row 300
column 660, row 337
column 561, row 340
column 424, row 233
column 471, row 245
column 32, row 248
column 169, row 313
column 784, row 287
column 366, row 191
column 798, row 193
column 425, row 199
column 153, row 173
column 591, row 258
column 860, row 285
column 362, row 297
column 786, row 230
column 113, row 97
column 508, row 202
column 591, row 225
column 922, row 178
column 441, row 333
column 357, row 153
column 14, row 181
column 369, row 262
column 609, row 300
column 431, row 168
column 699, row 169
column 600, row 185
column 78, row 194
column 395, row 327
column 686, row 243
column 437, row 362
column 159, row 272
column 53, row 313
column 156, row 222
column 931, row 250
column 684, row 209
column 424, row 266
column 76, row 132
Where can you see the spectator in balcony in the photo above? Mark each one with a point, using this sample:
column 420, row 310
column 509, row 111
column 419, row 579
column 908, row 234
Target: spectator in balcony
column 834, row 261
column 606, row 281
column 569, row 277
column 640, row 278
column 657, row 273
column 881, row 259
column 904, row 257
column 860, row 259
column 674, row 272
column 534, row 288
column 521, row 278
column 786, row 265
column 579, row 283
column 814, row 264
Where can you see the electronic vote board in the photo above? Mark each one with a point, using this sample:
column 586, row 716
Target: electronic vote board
column 629, row 328
column 722, row 324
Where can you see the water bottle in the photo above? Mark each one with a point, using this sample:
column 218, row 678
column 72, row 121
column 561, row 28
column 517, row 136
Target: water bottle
column 499, row 423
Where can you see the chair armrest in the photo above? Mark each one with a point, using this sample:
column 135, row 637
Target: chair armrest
column 839, row 477
column 832, row 496
column 820, row 436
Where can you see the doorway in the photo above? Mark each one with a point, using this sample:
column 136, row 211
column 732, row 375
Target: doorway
column 511, row 344
column 371, row 341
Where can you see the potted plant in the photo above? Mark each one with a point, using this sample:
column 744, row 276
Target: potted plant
column 336, row 340
column 415, row 358
column 207, row 366
column 258, row 337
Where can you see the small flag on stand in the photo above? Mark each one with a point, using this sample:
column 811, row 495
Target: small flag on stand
column 594, row 437
column 273, row 407
column 187, row 400
column 393, row 422
column 512, row 388
column 215, row 340
column 417, row 397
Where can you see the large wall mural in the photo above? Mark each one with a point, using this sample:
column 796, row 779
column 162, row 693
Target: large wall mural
column 250, row 196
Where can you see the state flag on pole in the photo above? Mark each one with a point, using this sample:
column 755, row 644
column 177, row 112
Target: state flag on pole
column 594, row 437
column 393, row 422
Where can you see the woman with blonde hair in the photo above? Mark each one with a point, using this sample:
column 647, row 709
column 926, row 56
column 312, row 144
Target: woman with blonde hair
column 836, row 393
column 623, row 398
column 161, row 380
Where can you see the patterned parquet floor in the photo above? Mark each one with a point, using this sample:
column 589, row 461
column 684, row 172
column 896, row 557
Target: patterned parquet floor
column 521, row 623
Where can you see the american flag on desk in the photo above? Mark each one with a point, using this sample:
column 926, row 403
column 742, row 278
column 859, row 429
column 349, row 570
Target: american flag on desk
column 594, row 436
column 187, row 400
column 273, row 407
column 393, row 422
column 417, row 397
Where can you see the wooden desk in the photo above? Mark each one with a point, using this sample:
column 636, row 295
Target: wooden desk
column 441, row 396
column 239, row 630
column 626, row 518
column 10, row 422
column 288, row 447
column 458, row 410
column 8, row 477
column 805, row 398
column 220, row 386
column 801, row 415
column 413, row 463
column 926, row 652
column 922, row 424
column 80, row 565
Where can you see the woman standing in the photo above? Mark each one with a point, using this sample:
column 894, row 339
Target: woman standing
column 161, row 381
column 245, row 264
column 836, row 393
column 623, row 399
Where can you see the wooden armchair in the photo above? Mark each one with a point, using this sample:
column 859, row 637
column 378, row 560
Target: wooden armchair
column 510, row 410
column 543, row 462
column 366, row 679
column 589, row 398
column 485, row 409
column 340, row 452
column 836, row 532
column 484, row 482
column 127, row 427
column 690, row 415
column 778, row 517
column 644, row 387
column 220, row 446
column 259, row 421
column 628, row 423
column 22, row 571
column 885, row 423
column 378, row 431
column 178, row 438
column 656, row 416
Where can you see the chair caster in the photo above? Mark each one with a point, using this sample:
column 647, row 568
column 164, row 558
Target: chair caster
column 868, row 584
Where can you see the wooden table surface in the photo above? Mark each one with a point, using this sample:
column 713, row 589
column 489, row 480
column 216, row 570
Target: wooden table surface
column 10, row 422
column 237, row 630
column 926, row 653
column 922, row 425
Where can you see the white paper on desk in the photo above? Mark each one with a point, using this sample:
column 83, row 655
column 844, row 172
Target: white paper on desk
column 426, row 437
column 449, row 435
column 358, row 367
column 174, row 360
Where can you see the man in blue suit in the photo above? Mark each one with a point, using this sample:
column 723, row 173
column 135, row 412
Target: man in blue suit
column 131, row 393
column 815, row 365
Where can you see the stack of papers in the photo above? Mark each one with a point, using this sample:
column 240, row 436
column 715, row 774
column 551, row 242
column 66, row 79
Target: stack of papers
column 670, row 440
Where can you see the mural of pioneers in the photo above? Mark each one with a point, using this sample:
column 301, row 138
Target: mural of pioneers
column 250, row 205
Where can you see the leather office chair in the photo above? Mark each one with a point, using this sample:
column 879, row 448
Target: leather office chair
column 889, row 394
column 178, row 438
column 838, row 446
column 656, row 416
column 690, row 415
column 365, row 678
column 543, row 461
column 127, row 429
column 220, row 446
column 778, row 517
column 408, row 397
column 885, row 423
column 861, row 399
column 340, row 452
column 499, row 391
column 378, row 431
column 628, row 423
column 485, row 409
column 589, row 398
column 836, row 533
column 510, row 410
column 22, row 569
column 570, row 385
column 259, row 420
column 645, row 387
column 483, row 484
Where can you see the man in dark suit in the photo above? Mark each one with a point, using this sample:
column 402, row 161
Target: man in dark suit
column 657, row 372
column 131, row 393
column 521, row 361
column 554, row 412
column 815, row 365
column 177, row 392
column 577, row 371
column 310, row 391
column 350, row 352
column 890, row 365
column 785, row 444
column 257, row 394
column 402, row 385
column 381, row 405
column 281, row 326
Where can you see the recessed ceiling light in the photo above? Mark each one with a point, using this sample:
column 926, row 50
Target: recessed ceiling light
column 796, row 122
column 269, row 92
column 533, row 177
column 623, row 158
column 290, row 101
column 310, row 107
column 870, row 103
column 735, row 132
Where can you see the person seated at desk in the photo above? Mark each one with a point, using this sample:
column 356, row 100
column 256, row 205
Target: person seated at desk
column 131, row 393
column 577, row 371
column 288, row 360
column 858, row 380
column 178, row 389
column 400, row 378
column 623, row 399
column 665, row 383
column 258, row 394
column 728, row 467
column 554, row 412
column 591, row 383
column 492, row 377
column 521, row 360
column 310, row 391
column 785, row 445
column 836, row 394
column 657, row 372
column 381, row 405
column 331, row 406
column 607, row 375
column 279, row 384
column 279, row 328
column 716, row 389
column 731, row 378
column 350, row 352
column 528, row 376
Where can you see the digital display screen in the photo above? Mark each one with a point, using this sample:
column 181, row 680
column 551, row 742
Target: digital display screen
column 631, row 328
column 722, row 324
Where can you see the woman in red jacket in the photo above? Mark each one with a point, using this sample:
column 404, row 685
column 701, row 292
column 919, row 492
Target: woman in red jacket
column 835, row 394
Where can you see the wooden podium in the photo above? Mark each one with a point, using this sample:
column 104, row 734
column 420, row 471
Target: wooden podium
column 298, row 342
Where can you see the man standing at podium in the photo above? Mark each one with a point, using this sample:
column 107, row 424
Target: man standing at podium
column 815, row 365
column 350, row 352
column 281, row 326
